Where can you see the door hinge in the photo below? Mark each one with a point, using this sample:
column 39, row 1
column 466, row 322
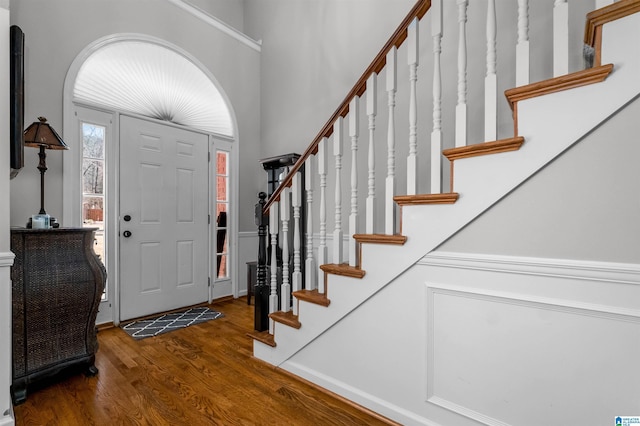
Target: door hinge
column 209, row 156
column 209, row 219
column 208, row 281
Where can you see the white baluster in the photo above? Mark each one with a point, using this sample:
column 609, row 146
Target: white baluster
column 309, row 264
column 322, row 245
column 461, row 107
column 390, row 181
column 560, row 38
column 491, row 79
column 372, row 108
column 296, row 202
column 274, row 220
column 337, row 152
column 436, row 133
column 413, row 59
column 285, row 214
column 522, row 48
column 354, row 130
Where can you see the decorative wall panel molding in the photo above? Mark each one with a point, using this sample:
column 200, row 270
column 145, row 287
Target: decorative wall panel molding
column 484, row 345
column 622, row 273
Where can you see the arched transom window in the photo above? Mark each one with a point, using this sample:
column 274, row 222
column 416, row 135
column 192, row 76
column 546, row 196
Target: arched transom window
column 154, row 81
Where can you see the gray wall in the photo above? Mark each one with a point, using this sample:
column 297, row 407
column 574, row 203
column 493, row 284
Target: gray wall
column 582, row 206
column 56, row 32
column 312, row 54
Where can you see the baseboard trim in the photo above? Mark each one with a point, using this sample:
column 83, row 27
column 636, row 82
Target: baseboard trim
column 338, row 397
column 353, row 396
column 8, row 418
column 221, row 299
column 105, row 326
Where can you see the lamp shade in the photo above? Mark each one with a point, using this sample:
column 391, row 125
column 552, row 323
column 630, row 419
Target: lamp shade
column 40, row 133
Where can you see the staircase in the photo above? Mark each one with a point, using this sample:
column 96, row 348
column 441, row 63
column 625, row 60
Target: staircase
column 330, row 300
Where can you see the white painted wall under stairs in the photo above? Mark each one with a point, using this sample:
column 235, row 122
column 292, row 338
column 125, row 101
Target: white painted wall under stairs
column 423, row 343
column 494, row 337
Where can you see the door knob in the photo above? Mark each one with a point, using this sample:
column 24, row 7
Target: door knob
column 126, row 234
column 127, row 218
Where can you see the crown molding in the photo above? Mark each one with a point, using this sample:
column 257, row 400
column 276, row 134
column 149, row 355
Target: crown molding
column 216, row 23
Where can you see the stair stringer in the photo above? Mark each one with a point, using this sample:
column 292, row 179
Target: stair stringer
column 550, row 125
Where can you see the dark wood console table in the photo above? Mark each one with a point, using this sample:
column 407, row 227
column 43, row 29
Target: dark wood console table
column 57, row 283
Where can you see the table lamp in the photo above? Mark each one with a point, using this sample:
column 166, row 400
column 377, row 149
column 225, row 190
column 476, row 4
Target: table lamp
column 41, row 135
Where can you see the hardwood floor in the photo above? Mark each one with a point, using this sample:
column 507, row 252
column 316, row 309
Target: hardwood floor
column 202, row 375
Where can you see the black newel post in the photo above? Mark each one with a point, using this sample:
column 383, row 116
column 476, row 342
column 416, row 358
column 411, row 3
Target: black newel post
column 261, row 316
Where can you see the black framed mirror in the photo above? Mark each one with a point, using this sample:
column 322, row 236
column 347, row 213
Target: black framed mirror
column 16, row 100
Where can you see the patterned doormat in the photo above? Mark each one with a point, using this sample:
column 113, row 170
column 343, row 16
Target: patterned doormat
column 168, row 322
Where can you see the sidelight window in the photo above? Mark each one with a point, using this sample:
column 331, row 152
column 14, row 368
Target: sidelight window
column 93, row 183
column 222, row 210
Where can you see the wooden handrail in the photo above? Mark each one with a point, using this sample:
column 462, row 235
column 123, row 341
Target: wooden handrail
column 599, row 17
column 609, row 13
column 398, row 37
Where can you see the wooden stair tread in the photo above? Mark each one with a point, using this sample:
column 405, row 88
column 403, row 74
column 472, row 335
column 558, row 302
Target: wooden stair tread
column 286, row 318
column 380, row 238
column 343, row 269
column 557, row 84
column 312, row 296
column 446, row 198
column 486, row 148
column 264, row 337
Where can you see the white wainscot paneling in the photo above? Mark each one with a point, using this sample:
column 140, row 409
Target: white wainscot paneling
column 527, row 356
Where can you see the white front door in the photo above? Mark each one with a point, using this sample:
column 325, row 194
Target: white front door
column 164, row 253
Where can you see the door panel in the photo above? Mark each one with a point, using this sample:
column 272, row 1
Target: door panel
column 164, row 189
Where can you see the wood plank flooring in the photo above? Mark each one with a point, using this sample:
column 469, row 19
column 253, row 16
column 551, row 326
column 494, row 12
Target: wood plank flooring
column 202, row 375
